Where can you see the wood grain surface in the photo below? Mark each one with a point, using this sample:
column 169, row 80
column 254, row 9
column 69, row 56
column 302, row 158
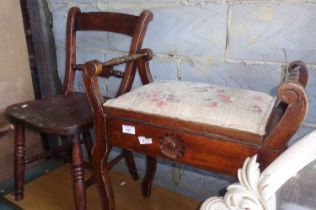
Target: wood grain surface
column 54, row 191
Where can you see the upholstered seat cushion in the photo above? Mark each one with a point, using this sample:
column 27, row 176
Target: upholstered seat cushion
column 238, row 109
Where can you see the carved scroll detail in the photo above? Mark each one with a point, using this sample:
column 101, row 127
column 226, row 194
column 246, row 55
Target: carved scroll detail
column 291, row 93
column 251, row 193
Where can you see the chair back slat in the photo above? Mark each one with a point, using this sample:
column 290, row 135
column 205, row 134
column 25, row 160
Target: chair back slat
column 130, row 25
column 111, row 22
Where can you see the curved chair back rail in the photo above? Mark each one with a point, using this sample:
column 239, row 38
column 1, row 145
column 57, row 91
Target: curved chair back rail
column 256, row 191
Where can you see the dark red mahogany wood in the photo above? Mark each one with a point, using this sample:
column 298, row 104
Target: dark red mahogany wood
column 212, row 148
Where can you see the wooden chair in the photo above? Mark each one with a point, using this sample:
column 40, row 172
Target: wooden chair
column 69, row 114
column 203, row 125
column 5, row 128
column 293, row 170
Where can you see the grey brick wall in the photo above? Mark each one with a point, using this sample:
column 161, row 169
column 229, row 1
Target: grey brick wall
column 239, row 43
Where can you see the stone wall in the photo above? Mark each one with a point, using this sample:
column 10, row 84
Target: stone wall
column 240, row 43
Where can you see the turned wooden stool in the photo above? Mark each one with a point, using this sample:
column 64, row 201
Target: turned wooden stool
column 69, row 114
column 203, row 125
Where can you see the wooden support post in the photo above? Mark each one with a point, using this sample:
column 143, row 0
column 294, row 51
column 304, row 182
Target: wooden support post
column 44, row 47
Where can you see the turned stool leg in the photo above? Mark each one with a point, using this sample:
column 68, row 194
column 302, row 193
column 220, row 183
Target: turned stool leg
column 129, row 158
column 19, row 162
column 151, row 164
column 78, row 176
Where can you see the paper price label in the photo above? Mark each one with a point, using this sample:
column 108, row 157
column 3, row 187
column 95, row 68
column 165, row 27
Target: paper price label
column 144, row 140
column 128, row 129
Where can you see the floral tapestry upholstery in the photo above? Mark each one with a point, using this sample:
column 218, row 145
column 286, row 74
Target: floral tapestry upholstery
column 233, row 108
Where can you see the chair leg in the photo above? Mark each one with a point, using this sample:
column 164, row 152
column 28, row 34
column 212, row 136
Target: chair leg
column 101, row 171
column 78, row 175
column 19, row 162
column 151, row 164
column 129, row 158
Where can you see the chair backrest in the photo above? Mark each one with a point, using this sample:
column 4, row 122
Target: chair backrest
column 258, row 191
column 131, row 25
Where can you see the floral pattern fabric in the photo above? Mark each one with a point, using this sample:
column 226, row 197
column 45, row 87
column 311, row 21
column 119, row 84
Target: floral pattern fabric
column 233, row 108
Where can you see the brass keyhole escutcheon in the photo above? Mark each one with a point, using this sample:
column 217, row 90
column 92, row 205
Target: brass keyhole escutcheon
column 172, row 146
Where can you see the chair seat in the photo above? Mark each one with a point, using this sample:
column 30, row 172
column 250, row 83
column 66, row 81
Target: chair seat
column 231, row 108
column 64, row 115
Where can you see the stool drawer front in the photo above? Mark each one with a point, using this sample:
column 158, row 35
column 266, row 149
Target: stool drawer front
column 179, row 146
